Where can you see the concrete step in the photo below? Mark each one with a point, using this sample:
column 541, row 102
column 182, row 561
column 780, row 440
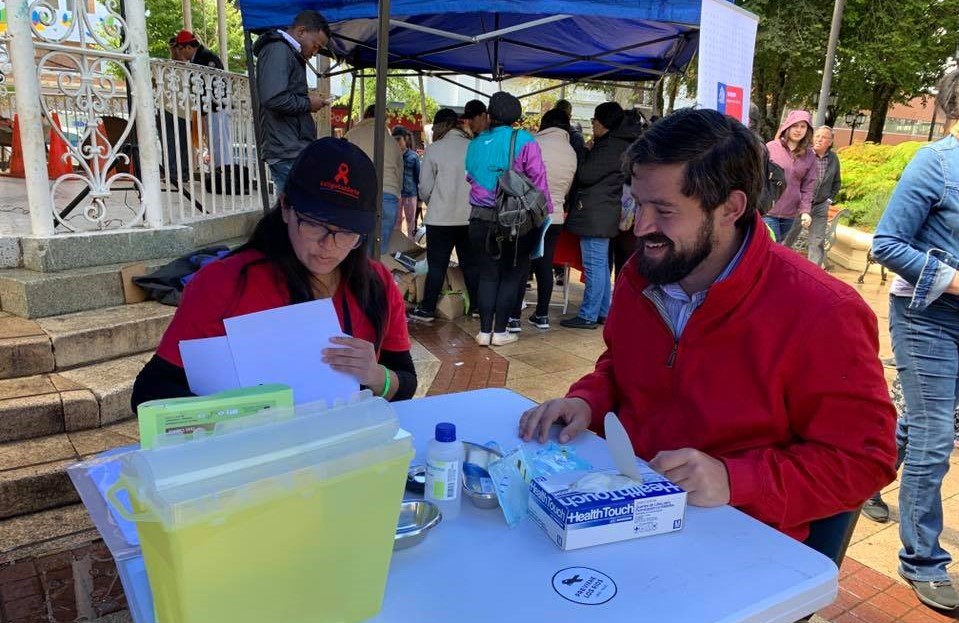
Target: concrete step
column 24, row 348
column 99, row 335
column 33, row 475
column 54, row 568
column 80, row 399
column 31, row 294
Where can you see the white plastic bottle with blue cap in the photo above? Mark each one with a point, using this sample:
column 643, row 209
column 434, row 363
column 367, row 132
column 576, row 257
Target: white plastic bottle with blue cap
column 444, row 469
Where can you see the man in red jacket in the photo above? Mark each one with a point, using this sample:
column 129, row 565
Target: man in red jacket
column 741, row 371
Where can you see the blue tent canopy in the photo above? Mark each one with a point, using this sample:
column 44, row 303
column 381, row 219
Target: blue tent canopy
column 560, row 39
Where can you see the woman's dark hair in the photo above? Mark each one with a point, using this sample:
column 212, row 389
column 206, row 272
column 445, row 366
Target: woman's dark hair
column 271, row 238
column 948, row 97
column 719, row 155
column 555, row 118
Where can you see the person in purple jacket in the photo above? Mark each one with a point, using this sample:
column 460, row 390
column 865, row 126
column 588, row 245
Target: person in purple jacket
column 792, row 150
column 502, row 263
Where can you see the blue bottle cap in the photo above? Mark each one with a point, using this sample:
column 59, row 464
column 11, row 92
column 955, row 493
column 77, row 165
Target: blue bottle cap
column 445, row 432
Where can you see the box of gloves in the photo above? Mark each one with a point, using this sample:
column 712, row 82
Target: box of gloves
column 579, row 509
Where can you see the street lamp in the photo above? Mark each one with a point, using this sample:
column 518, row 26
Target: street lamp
column 829, row 112
column 854, row 120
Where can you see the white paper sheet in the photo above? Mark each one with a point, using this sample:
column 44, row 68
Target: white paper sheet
column 285, row 345
column 208, row 363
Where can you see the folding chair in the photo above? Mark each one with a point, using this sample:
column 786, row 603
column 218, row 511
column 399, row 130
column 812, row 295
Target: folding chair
column 565, row 303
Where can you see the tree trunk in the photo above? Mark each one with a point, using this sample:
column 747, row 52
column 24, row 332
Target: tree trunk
column 673, row 93
column 881, row 95
column 777, row 103
column 658, row 97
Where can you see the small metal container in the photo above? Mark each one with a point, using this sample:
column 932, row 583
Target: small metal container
column 416, row 479
column 476, row 475
column 417, row 517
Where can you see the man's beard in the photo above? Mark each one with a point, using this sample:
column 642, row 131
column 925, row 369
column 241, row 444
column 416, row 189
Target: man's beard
column 674, row 266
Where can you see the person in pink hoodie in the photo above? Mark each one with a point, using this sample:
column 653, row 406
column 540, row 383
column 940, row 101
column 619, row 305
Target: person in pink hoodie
column 792, row 150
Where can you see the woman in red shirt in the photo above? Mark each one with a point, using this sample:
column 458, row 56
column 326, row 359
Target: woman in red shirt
column 309, row 246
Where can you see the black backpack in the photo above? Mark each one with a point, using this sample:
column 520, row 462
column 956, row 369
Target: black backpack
column 166, row 283
column 775, row 185
column 520, row 206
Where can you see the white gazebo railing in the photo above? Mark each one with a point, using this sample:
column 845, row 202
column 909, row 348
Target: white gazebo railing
column 207, row 141
column 131, row 141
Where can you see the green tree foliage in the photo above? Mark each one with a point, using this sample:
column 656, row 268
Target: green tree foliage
column 165, row 19
column 790, row 48
column 870, row 172
column 399, row 90
column 892, row 51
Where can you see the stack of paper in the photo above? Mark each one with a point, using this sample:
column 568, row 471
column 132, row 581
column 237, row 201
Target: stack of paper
column 283, row 345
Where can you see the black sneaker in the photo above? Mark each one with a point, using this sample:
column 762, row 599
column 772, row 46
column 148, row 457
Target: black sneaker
column 577, row 323
column 474, row 312
column 540, row 322
column 422, row 316
column 513, row 326
column 601, row 320
column 876, row 509
column 939, row 594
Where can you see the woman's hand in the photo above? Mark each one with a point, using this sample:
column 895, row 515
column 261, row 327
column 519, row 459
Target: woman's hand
column 357, row 358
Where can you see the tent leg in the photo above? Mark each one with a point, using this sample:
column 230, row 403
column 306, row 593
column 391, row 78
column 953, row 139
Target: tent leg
column 255, row 100
column 379, row 136
column 423, row 119
column 349, row 106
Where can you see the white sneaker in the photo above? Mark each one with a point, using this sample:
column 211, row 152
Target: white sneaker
column 502, row 339
column 483, row 339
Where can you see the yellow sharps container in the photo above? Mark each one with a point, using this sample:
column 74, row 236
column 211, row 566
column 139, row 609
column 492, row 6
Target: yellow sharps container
column 272, row 519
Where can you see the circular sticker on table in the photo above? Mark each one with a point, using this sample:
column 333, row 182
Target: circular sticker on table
column 582, row 585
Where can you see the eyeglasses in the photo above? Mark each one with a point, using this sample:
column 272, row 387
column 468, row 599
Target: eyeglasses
column 314, row 231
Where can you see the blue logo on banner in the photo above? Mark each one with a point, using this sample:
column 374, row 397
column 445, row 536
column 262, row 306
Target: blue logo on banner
column 721, row 98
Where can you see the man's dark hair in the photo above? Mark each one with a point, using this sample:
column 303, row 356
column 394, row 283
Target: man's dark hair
column 564, row 106
column 554, row 118
column 719, row 153
column 312, row 21
column 370, row 111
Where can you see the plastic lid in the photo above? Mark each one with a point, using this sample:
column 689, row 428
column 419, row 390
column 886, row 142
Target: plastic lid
column 445, row 432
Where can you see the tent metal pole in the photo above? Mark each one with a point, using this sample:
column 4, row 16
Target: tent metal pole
column 379, row 127
column 423, row 119
column 255, row 101
column 463, row 86
column 349, row 106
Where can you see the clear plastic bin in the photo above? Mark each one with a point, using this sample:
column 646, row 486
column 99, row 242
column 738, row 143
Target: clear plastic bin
column 271, row 518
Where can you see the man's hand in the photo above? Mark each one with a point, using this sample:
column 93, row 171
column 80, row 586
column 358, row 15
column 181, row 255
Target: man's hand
column 805, row 220
column 574, row 412
column 704, row 478
column 316, row 102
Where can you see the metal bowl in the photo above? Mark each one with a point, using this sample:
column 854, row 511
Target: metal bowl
column 417, row 517
column 477, row 484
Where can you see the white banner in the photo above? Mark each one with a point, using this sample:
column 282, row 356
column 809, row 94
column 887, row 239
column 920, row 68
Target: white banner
column 727, row 41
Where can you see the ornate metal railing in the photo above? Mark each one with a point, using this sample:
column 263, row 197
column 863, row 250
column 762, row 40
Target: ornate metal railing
column 207, row 141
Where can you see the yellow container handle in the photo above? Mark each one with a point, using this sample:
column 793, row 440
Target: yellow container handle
column 120, row 507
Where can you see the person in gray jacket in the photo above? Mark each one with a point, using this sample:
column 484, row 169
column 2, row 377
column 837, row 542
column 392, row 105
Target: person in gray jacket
column 828, row 183
column 443, row 186
column 285, row 122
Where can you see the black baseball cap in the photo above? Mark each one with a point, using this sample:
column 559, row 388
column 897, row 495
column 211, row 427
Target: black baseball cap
column 472, row 109
column 333, row 181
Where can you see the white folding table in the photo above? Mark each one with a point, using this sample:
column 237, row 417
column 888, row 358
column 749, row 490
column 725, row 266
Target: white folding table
column 722, row 567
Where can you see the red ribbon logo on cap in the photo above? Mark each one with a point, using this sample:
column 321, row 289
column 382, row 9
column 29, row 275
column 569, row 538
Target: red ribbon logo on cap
column 342, row 174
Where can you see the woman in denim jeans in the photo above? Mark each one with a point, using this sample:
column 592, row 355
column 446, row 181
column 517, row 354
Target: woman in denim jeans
column 916, row 238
